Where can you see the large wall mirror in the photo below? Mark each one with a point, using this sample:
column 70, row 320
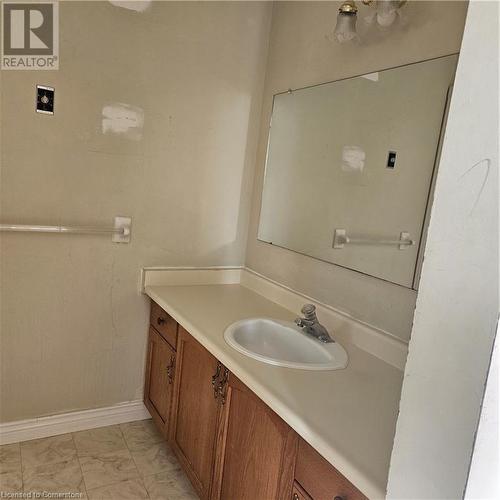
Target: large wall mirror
column 350, row 166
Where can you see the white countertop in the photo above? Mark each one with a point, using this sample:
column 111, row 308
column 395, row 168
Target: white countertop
column 348, row 416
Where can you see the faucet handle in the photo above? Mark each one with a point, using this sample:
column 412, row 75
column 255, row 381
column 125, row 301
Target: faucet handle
column 309, row 311
column 308, row 308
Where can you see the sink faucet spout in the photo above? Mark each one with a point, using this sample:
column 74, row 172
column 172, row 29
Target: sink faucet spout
column 311, row 325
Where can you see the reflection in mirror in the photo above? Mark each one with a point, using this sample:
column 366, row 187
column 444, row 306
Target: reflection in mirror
column 350, row 166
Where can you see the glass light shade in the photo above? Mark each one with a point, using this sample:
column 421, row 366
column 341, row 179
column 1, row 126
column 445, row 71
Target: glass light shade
column 345, row 31
column 386, row 19
column 387, row 12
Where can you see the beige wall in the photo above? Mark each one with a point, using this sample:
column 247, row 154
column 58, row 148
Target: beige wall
column 301, row 54
column 72, row 320
column 73, row 323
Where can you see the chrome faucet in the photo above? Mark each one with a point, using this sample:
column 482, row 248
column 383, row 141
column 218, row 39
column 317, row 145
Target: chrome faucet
column 310, row 324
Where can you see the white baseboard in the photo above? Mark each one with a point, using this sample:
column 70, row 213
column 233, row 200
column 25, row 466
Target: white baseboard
column 24, row 430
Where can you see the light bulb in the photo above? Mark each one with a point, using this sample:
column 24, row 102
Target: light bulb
column 387, row 12
column 386, row 19
column 345, row 30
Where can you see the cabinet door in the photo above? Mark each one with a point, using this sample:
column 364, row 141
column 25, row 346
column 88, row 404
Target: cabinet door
column 298, row 493
column 195, row 411
column 164, row 324
column 256, row 449
column 320, row 479
column 159, row 379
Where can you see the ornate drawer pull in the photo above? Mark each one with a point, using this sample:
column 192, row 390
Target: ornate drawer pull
column 170, row 369
column 219, row 381
column 221, row 387
column 215, row 378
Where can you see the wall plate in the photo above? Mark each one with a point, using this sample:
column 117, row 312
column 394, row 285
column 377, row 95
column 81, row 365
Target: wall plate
column 391, row 160
column 45, row 99
column 125, row 224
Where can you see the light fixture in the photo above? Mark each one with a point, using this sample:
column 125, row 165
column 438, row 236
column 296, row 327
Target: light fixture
column 345, row 31
column 385, row 14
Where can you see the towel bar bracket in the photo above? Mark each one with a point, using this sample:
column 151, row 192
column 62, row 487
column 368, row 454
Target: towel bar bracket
column 123, row 223
column 340, row 240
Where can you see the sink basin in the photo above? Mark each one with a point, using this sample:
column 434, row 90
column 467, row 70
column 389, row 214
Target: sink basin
column 283, row 343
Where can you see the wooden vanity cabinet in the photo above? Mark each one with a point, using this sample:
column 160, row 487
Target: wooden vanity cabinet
column 195, row 411
column 160, row 367
column 317, row 479
column 256, row 449
column 230, row 443
column 158, row 390
column 298, row 493
column 164, row 324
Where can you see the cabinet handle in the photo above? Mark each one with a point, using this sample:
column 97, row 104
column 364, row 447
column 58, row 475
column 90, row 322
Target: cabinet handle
column 215, row 378
column 160, row 321
column 338, row 498
column 221, row 387
column 170, row 369
column 219, row 381
column 296, row 497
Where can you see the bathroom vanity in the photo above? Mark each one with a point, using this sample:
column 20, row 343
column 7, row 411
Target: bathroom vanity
column 229, row 442
column 242, row 428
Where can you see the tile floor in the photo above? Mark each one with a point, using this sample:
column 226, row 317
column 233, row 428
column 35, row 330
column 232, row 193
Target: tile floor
column 127, row 461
